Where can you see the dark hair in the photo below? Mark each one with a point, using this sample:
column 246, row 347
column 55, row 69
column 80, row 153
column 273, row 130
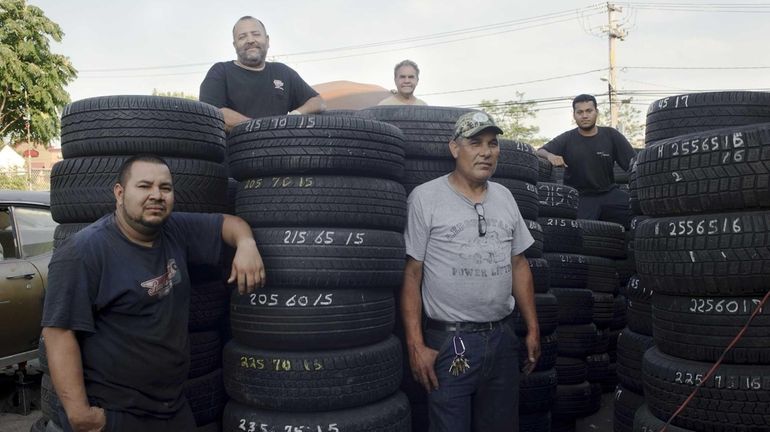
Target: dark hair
column 249, row 17
column 406, row 63
column 583, row 98
column 143, row 157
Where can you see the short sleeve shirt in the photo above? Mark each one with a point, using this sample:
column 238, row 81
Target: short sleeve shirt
column 129, row 306
column 466, row 277
column 275, row 90
column 590, row 160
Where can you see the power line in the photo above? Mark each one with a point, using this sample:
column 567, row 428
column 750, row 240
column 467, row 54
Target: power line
column 696, row 67
column 545, row 19
column 515, row 84
column 704, row 7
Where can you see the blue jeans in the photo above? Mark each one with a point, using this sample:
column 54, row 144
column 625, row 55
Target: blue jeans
column 486, row 397
column 610, row 206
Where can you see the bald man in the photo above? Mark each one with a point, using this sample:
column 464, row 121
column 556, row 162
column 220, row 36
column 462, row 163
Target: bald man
column 252, row 87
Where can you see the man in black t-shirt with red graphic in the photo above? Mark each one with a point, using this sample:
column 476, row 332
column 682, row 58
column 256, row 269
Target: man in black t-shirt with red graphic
column 251, row 87
column 117, row 305
column 589, row 153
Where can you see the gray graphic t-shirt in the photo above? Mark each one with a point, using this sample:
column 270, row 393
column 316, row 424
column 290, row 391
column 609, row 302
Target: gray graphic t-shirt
column 466, row 277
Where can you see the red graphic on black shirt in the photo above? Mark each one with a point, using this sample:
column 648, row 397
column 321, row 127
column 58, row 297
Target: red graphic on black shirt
column 161, row 285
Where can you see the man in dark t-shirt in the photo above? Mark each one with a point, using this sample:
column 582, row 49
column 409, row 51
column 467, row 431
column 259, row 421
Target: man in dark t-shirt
column 251, row 87
column 117, row 305
column 588, row 154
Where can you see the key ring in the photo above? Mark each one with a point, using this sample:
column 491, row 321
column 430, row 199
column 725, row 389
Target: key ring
column 462, row 344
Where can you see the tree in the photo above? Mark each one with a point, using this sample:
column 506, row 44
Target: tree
column 512, row 117
column 32, row 78
column 629, row 121
column 176, row 94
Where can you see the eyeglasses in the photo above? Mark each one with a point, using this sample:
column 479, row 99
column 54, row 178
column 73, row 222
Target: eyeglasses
column 482, row 220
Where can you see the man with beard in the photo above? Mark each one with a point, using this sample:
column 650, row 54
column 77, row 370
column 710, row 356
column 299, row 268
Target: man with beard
column 117, row 305
column 252, row 87
column 406, row 75
column 588, row 154
column 465, row 268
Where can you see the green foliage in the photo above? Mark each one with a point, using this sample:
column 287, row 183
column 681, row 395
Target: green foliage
column 512, row 117
column 629, row 121
column 12, row 180
column 176, row 94
column 31, row 76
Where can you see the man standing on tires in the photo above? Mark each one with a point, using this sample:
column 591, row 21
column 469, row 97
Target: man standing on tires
column 464, row 242
column 118, row 300
column 406, row 75
column 588, row 154
column 252, row 87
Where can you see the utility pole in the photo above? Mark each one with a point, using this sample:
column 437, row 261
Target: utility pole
column 615, row 32
column 27, row 119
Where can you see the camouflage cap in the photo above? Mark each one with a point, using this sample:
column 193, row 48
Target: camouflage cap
column 473, row 123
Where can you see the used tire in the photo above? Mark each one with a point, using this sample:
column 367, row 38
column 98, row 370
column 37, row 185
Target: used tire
column 603, row 239
column 710, row 171
column 205, row 353
column 541, row 276
column 561, row 235
column 547, row 310
column 624, row 409
column 537, row 391
column 557, row 200
column 206, row 396
column 319, row 258
column 631, row 349
column 317, row 145
column 536, row 250
column 700, row 328
column 427, row 129
column 332, row 201
column 129, row 125
column 683, row 114
column 725, row 254
column 603, row 309
column 390, row 414
column 575, row 305
column 310, row 319
column 734, row 399
column 576, row 340
column 571, row 370
column 644, row 421
column 313, row 380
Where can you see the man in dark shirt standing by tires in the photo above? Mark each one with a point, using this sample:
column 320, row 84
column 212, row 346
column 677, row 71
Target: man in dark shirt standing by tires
column 118, row 300
column 252, row 87
column 588, row 154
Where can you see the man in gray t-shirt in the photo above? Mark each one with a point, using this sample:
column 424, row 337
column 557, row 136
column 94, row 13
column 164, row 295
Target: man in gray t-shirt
column 464, row 242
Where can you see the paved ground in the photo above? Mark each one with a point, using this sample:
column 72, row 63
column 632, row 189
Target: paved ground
column 602, row 420
column 11, row 415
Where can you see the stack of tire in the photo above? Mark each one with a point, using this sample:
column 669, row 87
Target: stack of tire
column 313, row 350
column 567, row 268
column 705, row 251
column 98, row 135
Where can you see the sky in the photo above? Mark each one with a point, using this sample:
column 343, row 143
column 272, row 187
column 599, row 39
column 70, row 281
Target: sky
column 548, row 50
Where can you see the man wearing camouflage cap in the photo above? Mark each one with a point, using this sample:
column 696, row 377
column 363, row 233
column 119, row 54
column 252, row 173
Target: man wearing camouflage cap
column 465, row 270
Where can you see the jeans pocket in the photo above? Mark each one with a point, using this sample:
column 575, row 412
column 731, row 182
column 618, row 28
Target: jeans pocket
column 437, row 340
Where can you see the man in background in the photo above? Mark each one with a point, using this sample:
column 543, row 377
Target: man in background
column 406, row 75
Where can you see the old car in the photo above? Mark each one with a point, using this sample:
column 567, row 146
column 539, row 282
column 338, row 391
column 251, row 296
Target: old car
column 26, row 244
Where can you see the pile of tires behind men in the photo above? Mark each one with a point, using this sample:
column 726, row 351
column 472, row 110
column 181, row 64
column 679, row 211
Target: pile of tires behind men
column 98, row 134
column 702, row 250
